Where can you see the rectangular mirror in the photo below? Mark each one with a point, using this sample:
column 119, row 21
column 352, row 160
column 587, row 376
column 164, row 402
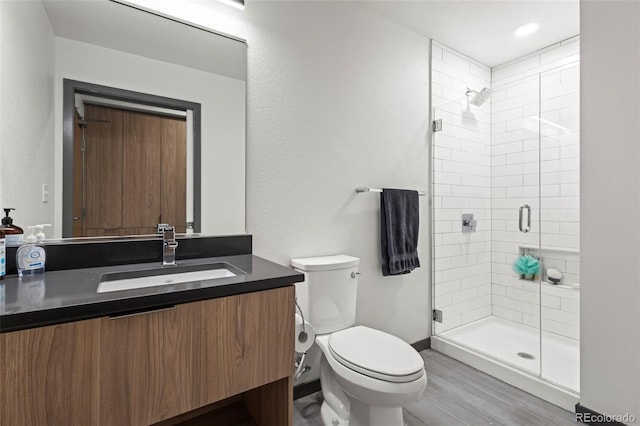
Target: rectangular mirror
column 114, row 119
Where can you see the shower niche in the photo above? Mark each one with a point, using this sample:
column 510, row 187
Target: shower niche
column 508, row 151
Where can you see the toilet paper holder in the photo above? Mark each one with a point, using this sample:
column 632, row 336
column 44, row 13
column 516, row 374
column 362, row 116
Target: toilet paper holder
column 302, row 337
column 301, row 314
column 305, row 335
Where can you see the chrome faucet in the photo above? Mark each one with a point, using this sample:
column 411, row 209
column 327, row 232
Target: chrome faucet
column 169, row 244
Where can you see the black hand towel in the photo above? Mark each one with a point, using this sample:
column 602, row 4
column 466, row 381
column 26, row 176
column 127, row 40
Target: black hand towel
column 400, row 221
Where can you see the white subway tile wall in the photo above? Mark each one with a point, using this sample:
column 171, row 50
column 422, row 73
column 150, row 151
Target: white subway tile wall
column 462, row 184
column 521, row 147
column 535, row 159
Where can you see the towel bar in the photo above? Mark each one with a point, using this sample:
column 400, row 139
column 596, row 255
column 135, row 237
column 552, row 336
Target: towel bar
column 365, row 189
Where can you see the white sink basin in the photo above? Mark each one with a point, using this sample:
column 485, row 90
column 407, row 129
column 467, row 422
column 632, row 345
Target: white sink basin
column 119, row 281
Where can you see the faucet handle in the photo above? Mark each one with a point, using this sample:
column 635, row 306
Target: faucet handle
column 165, row 228
column 169, row 244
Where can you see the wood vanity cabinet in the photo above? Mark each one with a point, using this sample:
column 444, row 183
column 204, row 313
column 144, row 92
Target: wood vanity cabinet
column 49, row 375
column 155, row 366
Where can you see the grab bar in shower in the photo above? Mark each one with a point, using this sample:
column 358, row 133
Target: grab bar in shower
column 523, row 228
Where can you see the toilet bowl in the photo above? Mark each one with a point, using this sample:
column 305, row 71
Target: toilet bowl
column 366, row 375
column 376, row 372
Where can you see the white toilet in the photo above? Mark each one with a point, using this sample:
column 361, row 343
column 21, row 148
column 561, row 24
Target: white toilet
column 366, row 375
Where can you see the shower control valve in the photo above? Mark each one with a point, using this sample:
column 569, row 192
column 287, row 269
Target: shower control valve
column 468, row 223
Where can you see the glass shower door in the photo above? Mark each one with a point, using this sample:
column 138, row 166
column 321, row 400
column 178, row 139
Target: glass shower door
column 515, row 226
column 560, row 225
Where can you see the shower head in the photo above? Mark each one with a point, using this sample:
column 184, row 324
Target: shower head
column 480, row 97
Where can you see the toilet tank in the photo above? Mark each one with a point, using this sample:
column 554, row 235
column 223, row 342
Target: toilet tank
column 327, row 296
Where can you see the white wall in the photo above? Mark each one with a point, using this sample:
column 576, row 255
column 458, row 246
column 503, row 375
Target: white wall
column 222, row 124
column 26, row 111
column 338, row 98
column 462, row 184
column 610, row 206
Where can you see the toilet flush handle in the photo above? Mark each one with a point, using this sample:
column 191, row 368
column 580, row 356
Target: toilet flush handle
column 355, row 274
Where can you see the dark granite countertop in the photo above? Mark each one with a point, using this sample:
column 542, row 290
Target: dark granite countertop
column 70, row 295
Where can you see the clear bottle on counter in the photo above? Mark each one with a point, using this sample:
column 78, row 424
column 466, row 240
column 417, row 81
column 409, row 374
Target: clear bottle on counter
column 30, row 257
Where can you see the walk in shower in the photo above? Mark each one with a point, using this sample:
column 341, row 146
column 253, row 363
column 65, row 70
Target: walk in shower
column 505, row 209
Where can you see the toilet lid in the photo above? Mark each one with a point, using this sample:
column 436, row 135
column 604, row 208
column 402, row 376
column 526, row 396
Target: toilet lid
column 376, row 354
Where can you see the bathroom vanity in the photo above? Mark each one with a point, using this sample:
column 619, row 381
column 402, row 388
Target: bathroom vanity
column 219, row 349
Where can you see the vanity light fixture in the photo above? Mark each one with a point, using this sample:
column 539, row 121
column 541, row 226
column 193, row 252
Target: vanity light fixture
column 238, row 4
column 526, row 29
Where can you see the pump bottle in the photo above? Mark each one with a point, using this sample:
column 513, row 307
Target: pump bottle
column 40, row 231
column 30, row 257
column 13, row 234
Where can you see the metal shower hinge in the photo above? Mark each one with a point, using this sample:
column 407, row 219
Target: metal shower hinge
column 437, row 125
column 437, row 315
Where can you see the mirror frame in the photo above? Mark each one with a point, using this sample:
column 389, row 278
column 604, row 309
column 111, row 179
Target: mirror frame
column 73, row 87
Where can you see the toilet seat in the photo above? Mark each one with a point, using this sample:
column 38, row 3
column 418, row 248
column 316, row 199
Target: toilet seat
column 376, row 354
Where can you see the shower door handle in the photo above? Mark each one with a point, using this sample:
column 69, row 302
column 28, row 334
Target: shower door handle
column 523, row 228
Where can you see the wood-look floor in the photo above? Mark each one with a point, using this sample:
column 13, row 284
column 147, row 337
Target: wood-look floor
column 457, row 394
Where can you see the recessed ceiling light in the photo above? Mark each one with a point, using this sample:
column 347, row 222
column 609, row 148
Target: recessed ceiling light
column 526, row 29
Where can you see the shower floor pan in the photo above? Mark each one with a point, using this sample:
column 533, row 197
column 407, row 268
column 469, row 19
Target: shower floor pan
column 511, row 352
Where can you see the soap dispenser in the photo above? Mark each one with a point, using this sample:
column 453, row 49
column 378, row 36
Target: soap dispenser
column 40, row 231
column 30, row 257
column 13, row 234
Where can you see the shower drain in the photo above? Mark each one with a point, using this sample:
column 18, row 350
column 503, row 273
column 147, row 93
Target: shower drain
column 526, row 355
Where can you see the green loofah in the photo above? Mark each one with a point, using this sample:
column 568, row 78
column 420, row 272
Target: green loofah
column 526, row 265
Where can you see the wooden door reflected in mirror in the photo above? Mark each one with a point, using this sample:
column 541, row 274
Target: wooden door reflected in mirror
column 129, row 172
